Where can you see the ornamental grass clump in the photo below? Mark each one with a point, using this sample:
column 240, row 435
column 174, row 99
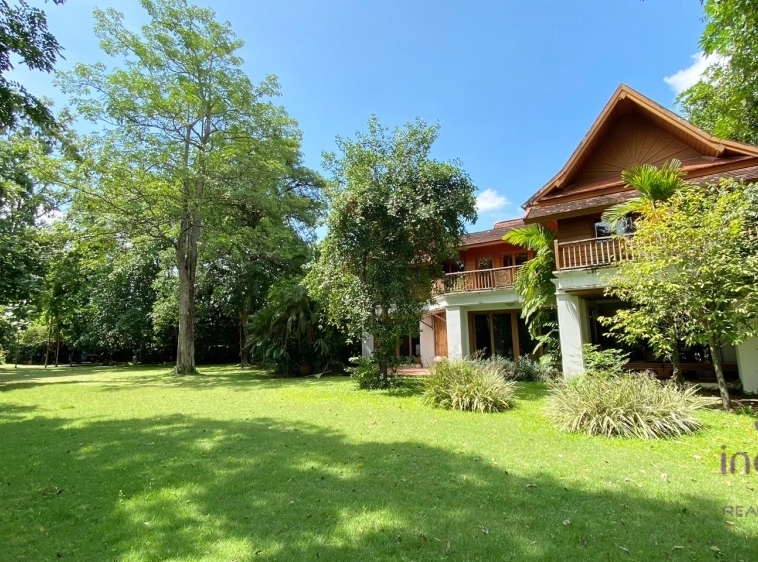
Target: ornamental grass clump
column 630, row 405
column 468, row 385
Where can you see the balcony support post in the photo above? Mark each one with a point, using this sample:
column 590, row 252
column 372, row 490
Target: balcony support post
column 572, row 326
column 457, row 332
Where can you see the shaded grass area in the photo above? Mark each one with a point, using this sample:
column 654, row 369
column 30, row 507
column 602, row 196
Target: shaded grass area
column 133, row 464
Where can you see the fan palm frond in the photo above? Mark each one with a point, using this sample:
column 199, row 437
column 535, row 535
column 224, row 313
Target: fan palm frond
column 654, row 183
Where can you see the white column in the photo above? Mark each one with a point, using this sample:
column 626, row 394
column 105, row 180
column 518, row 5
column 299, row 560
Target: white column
column 367, row 345
column 571, row 324
column 747, row 363
column 426, row 339
column 457, row 332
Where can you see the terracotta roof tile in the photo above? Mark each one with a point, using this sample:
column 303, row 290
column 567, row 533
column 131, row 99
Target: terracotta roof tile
column 570, row 207
column 492, row 235
column 743, row 174
column 599, row 202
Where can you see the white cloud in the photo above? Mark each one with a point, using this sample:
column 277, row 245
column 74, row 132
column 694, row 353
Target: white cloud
column 683, row 79
column 490, row 200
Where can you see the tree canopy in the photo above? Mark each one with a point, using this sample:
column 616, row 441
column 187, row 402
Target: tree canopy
column 189, row 148
column 693, row 271
column 396, row 216
column 24, row 33
column 725, row 100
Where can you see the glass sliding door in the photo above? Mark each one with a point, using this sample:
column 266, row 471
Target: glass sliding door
column 502, row 327
column 482, row 335
column 493, row 333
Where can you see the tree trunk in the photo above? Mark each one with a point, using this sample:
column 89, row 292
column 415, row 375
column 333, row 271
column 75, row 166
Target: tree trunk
column 57, row 348
column 49, row 340
column 186, row 260
column 187, row 242
column 676, row 361
column 244, row 353
column 726, row 400
column 382, row 347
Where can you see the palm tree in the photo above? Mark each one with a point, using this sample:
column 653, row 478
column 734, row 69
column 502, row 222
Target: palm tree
column 653, row 185
column 534, row 284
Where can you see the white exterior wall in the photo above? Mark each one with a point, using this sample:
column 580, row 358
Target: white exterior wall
column 457, row 332
column 426, row 339
column 747, row 363
column 572, row 322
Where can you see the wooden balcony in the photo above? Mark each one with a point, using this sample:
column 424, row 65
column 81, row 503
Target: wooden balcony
column 591, row 253
column 477, row 280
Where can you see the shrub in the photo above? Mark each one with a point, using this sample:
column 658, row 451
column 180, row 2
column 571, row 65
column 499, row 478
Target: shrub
column 468, row 385
column 366, row 373
column 606, row 362
column 522, row 369
column 633, row 405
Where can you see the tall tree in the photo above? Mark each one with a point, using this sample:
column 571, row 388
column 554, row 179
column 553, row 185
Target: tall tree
column 655, row 316
column 24, row 33
column 696, row 256
column 725, row 100
column 396, row 215
column 186, row 138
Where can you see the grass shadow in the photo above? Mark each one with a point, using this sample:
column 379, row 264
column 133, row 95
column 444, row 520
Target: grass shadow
column 188, row 488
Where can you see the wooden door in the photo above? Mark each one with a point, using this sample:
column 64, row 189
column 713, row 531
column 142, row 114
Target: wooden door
column 440, row 337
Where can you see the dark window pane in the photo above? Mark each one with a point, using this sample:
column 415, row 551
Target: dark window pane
column 525, row 342
column 485, row 263
column 416, row 346
column 482, row 334
column 602, row 230
column 521, row 259
column 503, row 334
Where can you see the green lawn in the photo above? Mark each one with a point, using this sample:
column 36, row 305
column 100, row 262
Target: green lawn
column 131, row 464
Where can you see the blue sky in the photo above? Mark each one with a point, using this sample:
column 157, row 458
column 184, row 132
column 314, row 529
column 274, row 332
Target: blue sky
column 514, row 85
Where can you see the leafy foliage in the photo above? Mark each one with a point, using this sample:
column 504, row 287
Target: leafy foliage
column 468, row 385
column 28, row 195
column 290, row 332
column 694, row 267
column 653, row 185
column 522, row 369
column 396, row 215
column 190, row 146
column 24, row 33
column 633, row 405
column 365, row 371
column 725, row 100
column 535, row 288
column 654, row 317
column 603, row 362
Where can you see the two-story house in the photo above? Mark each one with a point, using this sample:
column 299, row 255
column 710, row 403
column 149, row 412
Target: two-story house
column 477, row 309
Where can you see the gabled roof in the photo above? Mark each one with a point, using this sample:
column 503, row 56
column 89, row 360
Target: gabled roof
column 701, row 150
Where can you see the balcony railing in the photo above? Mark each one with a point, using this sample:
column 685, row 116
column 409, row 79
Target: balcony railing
column 592, row 253
column 477, row 280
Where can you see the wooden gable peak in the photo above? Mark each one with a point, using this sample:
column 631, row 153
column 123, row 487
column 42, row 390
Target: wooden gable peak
column 691, row 141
